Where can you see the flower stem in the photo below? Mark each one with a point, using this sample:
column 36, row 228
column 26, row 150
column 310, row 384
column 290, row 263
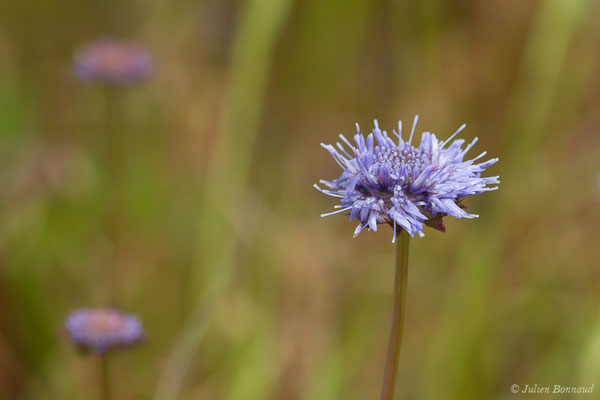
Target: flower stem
column 115, row 160
column 104, row 379
column 393, row 353
column 115, row 155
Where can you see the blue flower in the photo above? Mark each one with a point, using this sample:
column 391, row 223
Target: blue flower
column 113, row 62
column 101, row 329
column 402, row 185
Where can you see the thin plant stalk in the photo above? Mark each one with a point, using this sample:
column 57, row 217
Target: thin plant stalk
column 115, row 160
column 104, row 378
column 393, row 353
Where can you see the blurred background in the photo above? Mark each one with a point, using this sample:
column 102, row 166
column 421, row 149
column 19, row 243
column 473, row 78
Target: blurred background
column 244, row 291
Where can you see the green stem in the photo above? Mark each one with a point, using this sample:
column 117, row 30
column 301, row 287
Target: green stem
column 115, row 163
column 104, row 378
column 115, row 157
column 393, row 354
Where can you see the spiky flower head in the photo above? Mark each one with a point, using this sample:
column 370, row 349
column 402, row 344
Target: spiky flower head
column 101, row 329
column 407, row 187
column 113, row 62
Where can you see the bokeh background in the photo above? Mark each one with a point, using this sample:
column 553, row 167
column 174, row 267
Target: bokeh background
column 245, row 293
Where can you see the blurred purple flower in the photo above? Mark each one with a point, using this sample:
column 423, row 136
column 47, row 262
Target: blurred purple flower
column 114, row 62
column 101, row 329
column 403, row 185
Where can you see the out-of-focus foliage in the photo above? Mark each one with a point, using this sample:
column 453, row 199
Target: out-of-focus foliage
column 244, row 292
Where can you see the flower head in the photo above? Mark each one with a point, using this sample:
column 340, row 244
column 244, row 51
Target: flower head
column 114, row 62
column 101, row 329
column 403, row 185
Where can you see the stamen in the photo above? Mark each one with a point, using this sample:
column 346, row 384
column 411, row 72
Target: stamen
column 463, row 126
column 336, row 212
column 413, row 128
